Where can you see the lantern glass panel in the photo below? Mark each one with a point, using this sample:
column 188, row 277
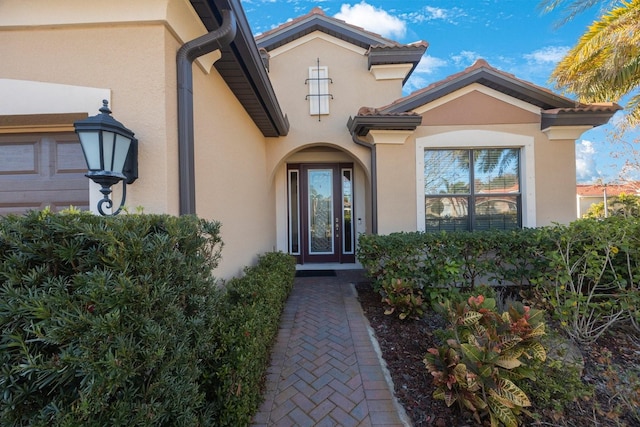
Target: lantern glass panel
column 91, row 149
column 108, row 140
column 121, row 151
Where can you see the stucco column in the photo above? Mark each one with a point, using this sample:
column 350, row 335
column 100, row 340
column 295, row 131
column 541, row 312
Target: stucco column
column 396, row 180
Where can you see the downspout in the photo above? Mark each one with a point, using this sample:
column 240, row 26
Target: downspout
column 188, row 53
column 374, row 182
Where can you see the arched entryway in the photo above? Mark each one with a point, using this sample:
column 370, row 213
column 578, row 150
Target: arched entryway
column 321, row 212
column 323, row 203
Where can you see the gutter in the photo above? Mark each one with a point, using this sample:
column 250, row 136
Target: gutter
column 188, row 53
column 374, row 181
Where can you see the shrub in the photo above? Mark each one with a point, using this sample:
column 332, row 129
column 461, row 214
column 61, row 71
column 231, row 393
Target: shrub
column 403, row 298
column 103, row 320
column 479, row 367
column 625, row 205
column 246, row 325
column 597, row 271
column 118, row 321
column 558, row 381
column 396, row 256
column 432, row 264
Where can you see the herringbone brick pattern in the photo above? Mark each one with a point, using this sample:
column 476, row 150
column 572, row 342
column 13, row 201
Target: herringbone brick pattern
column 324, row 369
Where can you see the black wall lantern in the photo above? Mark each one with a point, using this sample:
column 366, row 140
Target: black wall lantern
column 111, row 153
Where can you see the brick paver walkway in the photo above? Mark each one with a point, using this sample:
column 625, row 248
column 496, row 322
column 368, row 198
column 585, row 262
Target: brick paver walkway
column 325, row 370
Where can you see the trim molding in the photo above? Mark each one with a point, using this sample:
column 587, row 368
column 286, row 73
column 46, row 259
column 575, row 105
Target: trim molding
column 391, row 71
column 555, row 133
column 470, row 139
column 39, row 123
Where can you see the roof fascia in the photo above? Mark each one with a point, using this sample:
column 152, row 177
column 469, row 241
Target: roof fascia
column 477, row 87
column 575, row 118
column 315, row 22
column 488, row 78
column 384, row 55
column 243, row 70
column 361, row 125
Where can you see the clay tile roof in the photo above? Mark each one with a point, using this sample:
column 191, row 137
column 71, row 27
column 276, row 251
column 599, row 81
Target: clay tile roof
column 483, row 73
column 315, row 11
column 476, row 66
column 373, row 119
column 600, row 107
column 580, row 115
column 395, row 45
column 332, row 25
column 379, row 50
column 597, row 190
column 371, row 111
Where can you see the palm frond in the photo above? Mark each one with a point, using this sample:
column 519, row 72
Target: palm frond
column 573, row 8
column 605, row 63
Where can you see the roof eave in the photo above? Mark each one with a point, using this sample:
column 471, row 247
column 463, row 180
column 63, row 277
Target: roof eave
column 360, row 125
column 576, row 118
column 243, row 70
column 315, row 22
column 489, row 78
column 384, row 55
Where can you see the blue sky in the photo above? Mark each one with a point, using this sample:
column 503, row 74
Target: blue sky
column 512, row 35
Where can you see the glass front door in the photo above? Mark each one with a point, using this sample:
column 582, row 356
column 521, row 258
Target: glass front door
column 320, row 211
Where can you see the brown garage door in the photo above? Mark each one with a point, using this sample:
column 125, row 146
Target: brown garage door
column 39, row 170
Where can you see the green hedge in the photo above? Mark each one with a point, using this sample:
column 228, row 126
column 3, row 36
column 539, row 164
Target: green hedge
column 588, row 272
column 456, row 259
column 118, row 321
column 246, row 325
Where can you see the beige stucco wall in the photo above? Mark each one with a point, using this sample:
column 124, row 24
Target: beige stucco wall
column 129, row 49
column 84, row 56
column 553, row 163
column 397, row 202
column 583, row 203
column 232, row 181
column 57, row 45
column 353, row 86
column 477, row 106
column 478, row 116
column 555, row 181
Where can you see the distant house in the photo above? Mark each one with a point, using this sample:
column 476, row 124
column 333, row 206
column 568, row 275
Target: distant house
column 590, row 194
column 301, row 138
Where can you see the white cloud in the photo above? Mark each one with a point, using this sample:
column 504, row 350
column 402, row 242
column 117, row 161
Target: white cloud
column 465, row 58
column 429, row 64
column 372, row 19
column 537, row 65
column 430, row 13
column 415, row 82
column 435, row 13
column 586, row 167
column 549, row 54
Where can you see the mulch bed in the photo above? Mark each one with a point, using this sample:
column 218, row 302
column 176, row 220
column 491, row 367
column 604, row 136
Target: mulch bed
column 404, row 344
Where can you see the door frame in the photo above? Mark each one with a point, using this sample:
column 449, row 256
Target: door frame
column 343, row 228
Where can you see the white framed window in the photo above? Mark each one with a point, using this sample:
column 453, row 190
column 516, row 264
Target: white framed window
column 472, row 189
column 475, row 180
column 319, row 95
